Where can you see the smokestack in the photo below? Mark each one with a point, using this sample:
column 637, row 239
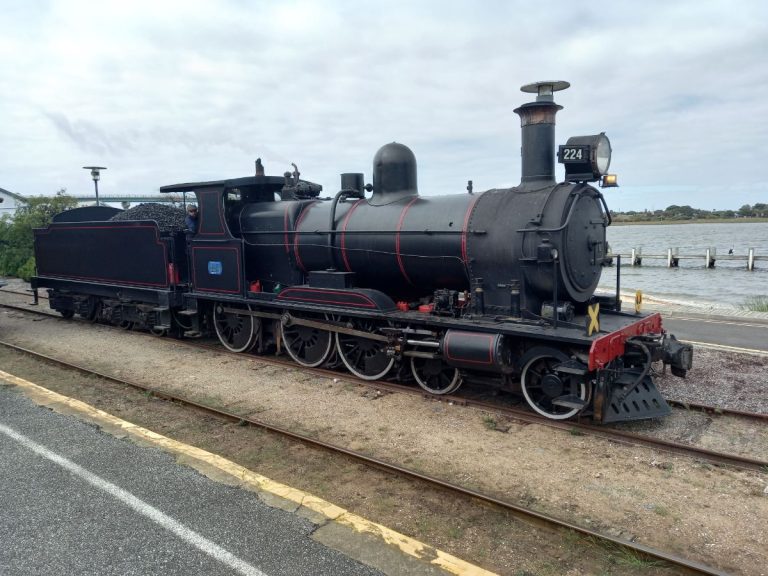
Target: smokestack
column 537, row 120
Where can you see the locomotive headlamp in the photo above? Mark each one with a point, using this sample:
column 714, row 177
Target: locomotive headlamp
column 586, row 158
column 609, row 181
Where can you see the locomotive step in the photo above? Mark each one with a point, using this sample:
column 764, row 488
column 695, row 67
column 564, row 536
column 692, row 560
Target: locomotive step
column 572, row 367
column 186, row 312
column 569, row 401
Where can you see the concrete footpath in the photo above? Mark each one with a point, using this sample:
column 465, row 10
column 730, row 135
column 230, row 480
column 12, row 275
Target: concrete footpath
column 80, row 499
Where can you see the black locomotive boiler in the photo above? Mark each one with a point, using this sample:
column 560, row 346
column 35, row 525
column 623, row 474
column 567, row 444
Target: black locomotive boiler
column 496, row 287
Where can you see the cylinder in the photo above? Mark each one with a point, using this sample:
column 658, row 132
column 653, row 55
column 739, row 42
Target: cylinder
column 475, row 350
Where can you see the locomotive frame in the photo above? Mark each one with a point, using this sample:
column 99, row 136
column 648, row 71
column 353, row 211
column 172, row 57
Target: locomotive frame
column 389, row 282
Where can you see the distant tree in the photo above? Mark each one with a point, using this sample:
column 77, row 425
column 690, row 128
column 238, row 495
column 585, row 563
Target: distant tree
column 745, row 211
column 16, row 239
column 760, row 209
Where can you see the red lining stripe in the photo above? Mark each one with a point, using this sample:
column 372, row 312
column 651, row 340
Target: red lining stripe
column 344, row 233
column 285, row 227
column 464, row 230
column 194, row 268
column 397, row 240
column 296, row 235
column 490, row 337
column 110, row 281
column 285, row 295
column 203, row 220
column 56, row 226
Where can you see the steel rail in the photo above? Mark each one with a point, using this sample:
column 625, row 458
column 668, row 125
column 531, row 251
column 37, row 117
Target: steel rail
column 520, row 511
column 19, row 293
column 716, row 410
column 611, row 434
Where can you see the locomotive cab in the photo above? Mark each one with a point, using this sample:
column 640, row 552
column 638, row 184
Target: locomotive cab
column 230, row 211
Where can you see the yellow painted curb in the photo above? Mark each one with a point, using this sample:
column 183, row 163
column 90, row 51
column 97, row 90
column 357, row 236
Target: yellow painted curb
column 253, row 480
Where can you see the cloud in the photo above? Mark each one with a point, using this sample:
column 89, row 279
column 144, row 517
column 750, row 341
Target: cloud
column 178, row 91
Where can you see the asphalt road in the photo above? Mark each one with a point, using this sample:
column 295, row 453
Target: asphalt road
column 736, row 332
column 75, row 500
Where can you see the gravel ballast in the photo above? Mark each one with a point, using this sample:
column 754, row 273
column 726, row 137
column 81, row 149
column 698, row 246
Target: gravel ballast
column 713, row 514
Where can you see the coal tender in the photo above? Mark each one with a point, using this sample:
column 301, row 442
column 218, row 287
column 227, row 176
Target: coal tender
column 494, row 287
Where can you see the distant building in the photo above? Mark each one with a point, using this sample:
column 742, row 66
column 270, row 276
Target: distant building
column 10, row 202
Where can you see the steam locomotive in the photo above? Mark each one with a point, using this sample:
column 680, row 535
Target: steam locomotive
column 495, row 287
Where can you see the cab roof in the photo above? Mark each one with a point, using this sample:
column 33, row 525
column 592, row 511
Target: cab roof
column 246, row 182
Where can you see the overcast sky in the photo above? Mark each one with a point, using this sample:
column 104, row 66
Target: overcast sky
column 166, row 91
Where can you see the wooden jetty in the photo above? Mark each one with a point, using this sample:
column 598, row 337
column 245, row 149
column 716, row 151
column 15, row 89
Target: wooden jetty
column 673, row 257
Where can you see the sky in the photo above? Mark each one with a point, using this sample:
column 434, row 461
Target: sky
column 165, row 91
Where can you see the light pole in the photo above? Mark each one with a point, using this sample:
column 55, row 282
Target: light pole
column 95, row 175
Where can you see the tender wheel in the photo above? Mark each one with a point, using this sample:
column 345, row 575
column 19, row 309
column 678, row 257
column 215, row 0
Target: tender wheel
column 435, row 376
column 92, row 310
column 126, row 325
column 541, row 384
column 237, row 332
column 307, row 345
column 159, row 332
column 366, row 359
column 67, row 314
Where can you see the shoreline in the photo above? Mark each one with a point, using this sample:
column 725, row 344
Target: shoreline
column 670, row 307
column 693, row 221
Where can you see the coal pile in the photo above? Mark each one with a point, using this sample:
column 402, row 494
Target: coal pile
column 168, row 218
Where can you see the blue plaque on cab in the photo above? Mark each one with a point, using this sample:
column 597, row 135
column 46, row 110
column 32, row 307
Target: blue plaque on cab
column 215, row 268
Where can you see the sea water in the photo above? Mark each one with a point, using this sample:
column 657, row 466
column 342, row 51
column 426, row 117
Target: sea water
column 727, row 283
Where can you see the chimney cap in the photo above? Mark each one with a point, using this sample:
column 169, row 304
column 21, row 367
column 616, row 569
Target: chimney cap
column 545, row 88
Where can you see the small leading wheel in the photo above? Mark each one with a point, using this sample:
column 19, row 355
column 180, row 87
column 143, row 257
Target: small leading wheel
column 126, row 325
column 365, row 358
column 67, row 314
column 435, row 376
column 307, row 345
column 237, row 332
column 542, row 385
column 159, row 332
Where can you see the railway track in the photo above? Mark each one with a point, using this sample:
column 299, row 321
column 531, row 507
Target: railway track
column 517, row 414
column 689, row 566
column 22, row 293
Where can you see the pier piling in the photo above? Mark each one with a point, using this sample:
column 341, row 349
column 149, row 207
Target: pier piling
column 710, row 261
column 673, row 257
